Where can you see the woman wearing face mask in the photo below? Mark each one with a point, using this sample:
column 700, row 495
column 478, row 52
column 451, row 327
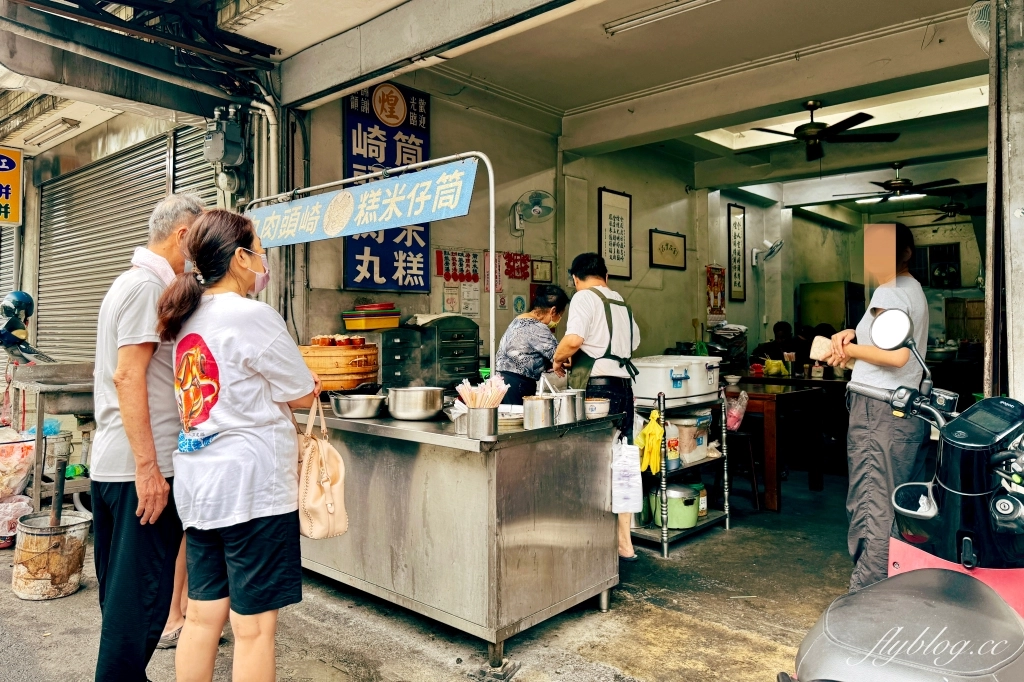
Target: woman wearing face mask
column 238, row 374
column 528, row 345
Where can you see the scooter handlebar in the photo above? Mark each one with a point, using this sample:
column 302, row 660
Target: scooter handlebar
column 871, row 392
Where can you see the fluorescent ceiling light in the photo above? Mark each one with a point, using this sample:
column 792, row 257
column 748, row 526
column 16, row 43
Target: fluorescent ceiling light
column 873, row 200
column 55, row 129
column 669, row 9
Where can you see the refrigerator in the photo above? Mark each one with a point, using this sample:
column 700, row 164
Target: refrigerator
column 840, row 304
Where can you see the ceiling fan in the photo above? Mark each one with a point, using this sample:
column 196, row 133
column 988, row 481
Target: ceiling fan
column 902, row 187
column 815, row 133
column 951, row 210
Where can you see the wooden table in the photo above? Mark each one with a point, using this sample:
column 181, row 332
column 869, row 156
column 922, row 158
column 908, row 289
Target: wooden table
column 768, row 399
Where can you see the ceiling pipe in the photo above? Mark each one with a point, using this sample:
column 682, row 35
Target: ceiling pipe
column 112, row 59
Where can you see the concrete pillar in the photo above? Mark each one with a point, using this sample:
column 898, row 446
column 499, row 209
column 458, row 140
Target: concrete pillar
column 1007, row 210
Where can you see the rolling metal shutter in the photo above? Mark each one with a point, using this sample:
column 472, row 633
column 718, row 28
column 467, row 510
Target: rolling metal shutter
column 6, row 260
column 92, row 220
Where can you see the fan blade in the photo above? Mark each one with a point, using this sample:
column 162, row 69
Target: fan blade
column 861, row 194
column 880, row 184
column 865, row 137
column 774, row 132
column 845, row 124
column 942, row 216
column 935, row 183
column 815, row 151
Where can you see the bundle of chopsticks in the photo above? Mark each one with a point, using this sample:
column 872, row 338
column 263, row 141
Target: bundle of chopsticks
column 487, row 394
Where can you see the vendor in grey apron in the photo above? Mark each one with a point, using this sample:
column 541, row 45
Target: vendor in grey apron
column 596, row 351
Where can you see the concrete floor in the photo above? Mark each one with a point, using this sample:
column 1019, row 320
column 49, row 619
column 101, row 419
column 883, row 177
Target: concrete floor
column 727, row 606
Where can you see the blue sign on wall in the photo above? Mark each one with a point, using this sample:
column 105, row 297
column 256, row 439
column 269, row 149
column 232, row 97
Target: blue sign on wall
column 363, row 213
column 387, row 125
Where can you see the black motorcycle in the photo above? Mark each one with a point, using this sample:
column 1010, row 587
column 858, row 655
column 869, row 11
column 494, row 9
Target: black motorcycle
column 950, row 619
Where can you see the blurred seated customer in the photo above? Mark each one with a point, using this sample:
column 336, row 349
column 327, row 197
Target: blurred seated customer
column 774, row 350
column 803, row 341
column 528, row 345
column 826, row 330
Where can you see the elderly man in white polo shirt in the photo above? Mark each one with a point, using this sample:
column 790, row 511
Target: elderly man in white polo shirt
column 137, row 529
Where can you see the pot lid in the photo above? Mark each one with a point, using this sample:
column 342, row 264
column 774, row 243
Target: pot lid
column 678, row 490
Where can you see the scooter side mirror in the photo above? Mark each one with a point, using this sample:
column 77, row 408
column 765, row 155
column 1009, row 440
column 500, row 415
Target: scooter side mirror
column 892, row 329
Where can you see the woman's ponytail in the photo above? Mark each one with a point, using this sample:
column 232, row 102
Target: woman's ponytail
column 177, row 304
column 211, row 241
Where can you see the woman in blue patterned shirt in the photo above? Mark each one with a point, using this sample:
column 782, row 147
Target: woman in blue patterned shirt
column 528, row 344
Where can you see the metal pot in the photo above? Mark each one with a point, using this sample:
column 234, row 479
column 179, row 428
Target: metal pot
column 356, row 406
column 565, row 408
column 415, row 404
column 538, row 411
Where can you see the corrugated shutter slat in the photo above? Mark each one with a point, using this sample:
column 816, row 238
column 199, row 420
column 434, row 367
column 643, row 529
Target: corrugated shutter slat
column 92, row 220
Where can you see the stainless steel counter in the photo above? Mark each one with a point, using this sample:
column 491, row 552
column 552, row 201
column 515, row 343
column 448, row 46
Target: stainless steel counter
column 490, row 537
column 442, row 432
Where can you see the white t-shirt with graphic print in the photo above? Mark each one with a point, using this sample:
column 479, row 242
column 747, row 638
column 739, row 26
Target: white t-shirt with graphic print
column 236, row 368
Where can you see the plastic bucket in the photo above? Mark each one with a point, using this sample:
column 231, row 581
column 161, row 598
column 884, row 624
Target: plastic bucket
column 48, row 561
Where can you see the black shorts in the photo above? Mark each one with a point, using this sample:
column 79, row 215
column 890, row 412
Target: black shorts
column 257, row 564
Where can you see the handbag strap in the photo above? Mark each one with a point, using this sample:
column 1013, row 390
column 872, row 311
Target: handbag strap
column 317, row 409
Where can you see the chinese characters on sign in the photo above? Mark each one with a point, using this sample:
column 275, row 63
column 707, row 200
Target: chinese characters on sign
column 10, row 186
column 387, row 126
column 368, row 214
column 737, row 252
column 615, row 232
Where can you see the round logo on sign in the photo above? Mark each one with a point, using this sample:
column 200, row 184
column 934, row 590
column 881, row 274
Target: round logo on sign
column 519, row 304
column 389, row 104
column 338, row 213
column 7, row 163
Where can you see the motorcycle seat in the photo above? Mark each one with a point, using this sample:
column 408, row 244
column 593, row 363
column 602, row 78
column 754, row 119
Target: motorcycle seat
column 930, row 620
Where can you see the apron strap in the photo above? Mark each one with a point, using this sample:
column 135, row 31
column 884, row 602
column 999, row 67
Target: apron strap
column 626, row 362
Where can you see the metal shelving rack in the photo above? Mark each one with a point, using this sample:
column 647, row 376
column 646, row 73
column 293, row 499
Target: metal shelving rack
column 664, row 534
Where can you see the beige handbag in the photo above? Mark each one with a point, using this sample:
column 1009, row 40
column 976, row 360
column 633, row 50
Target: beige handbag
column 321, row 482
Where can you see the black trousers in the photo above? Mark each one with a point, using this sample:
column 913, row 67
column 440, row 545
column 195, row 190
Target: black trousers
column 518, row 388
column 620, row 398
column 135, row 568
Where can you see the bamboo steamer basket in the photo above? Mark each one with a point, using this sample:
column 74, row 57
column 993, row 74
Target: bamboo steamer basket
column 346, row 382
column 342, row 368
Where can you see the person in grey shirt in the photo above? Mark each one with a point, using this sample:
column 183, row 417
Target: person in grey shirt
column 884, row 451
column 137, row 529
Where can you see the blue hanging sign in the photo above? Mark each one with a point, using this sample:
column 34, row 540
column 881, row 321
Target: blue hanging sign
column 406, row 201
column 385, row 126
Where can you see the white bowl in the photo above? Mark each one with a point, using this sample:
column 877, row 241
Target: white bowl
column 732, row 379
column 598, row 407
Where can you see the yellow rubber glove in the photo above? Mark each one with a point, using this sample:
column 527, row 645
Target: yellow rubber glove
column 649, row 441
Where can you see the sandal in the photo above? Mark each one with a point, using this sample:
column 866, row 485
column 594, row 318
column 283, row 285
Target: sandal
column 169, row 640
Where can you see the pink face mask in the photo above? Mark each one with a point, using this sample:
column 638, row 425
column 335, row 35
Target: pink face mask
column 262, row 278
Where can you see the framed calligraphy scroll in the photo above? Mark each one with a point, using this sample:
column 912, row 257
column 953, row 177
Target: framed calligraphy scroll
column 615, row 232
column 667, row 250
column 737, row 217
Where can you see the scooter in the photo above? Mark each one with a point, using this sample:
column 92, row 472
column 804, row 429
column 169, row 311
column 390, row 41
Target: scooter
column 15, row 310
column 951, row 608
